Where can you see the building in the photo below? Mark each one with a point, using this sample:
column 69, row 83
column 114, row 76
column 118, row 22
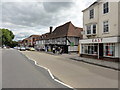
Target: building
column 32, row 40
column 66, row 36
column 101, row 26
column 29, row 42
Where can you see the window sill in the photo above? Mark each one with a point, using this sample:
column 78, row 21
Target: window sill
column 105, row 33
column 104, row 14
column 109, row 56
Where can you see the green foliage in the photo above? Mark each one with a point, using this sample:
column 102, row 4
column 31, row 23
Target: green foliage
column 13, row 44
column 6, row 36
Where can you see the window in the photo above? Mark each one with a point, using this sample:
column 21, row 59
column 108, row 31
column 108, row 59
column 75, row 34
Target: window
column 91, row 49
column 109, row 49
column 94, row 28
column 105, row 7
column 89, row 29
column 105, row 27
column 91, row 13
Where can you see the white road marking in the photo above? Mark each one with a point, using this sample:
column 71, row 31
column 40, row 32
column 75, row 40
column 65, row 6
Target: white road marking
column 49, row 73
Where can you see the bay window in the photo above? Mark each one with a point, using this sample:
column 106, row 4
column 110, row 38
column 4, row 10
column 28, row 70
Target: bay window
column 91, row 29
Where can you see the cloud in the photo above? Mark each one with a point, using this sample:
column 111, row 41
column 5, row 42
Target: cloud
column 26, row 18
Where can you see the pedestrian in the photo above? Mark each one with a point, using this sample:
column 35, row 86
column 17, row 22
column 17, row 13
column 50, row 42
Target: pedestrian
column 61, row 50
column 54, row 50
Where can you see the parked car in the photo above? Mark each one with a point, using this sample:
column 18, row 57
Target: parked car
column 27, row 48
column 18, row 48
column 15, row 47
column 22, row 49
column 32, row 49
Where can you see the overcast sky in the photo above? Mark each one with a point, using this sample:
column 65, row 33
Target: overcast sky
column 33, row 17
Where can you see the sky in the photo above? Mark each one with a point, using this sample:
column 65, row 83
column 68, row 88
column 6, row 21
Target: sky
column 27, row 17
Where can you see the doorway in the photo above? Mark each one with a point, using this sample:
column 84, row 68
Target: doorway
column 101, row 50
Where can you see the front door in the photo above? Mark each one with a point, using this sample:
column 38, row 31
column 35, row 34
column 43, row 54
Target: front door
column 100, row 50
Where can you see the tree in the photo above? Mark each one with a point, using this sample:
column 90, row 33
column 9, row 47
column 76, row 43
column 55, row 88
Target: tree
column 6, row 36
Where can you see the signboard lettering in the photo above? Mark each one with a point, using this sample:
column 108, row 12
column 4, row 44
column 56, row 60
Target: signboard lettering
column 99, row 40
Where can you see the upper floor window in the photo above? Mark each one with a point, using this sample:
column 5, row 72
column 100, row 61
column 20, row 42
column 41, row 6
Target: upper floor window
column 105, row 27
column 94, row 28
column 106, row 7
column 91, row 29
column 91, row 13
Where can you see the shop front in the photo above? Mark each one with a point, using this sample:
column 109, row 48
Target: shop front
column 101, row 48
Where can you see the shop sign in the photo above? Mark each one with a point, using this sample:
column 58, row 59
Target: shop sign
column 98, row 40
column 72, row 44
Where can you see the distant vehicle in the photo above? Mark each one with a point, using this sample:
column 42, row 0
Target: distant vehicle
column 15, row 47
column 32, row 49
column 18, row 48
column 27, row 48
column 22, row 49
column 4, row 47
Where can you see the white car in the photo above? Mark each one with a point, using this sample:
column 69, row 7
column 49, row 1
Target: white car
column 32, row 49
column 22, row 49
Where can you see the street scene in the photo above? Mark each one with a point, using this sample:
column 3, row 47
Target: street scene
column 72, row 45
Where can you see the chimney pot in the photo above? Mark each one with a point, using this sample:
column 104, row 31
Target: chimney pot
column 51, row 29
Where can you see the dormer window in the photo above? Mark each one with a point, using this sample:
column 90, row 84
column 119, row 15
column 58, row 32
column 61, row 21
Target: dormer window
column 105, row 8
column 91, row 13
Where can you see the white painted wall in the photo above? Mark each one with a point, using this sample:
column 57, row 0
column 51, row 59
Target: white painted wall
column 99, row 18
column 73, row 39
column 119, row 50
column 72, row 48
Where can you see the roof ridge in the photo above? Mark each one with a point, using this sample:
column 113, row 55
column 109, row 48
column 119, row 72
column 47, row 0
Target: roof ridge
column 70, row 23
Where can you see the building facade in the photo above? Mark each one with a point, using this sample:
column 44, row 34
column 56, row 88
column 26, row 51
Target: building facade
column 101, row 26
column 29, row 42
column 66, row 36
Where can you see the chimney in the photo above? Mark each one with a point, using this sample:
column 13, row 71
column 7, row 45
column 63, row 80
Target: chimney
column 51, row 29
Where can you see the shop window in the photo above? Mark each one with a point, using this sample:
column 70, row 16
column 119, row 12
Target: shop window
column 91, row 49
column 109, row 49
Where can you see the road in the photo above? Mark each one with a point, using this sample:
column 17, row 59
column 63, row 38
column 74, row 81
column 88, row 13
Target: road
column 74, row 73
column 20, row 72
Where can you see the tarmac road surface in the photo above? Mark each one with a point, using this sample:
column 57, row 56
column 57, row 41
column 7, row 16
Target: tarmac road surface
column 20, row 72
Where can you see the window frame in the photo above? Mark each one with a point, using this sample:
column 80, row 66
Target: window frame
column 86, row 49
column 91, row 29
column 91, row 13
column 113, row 48
column 106, row 26
column 105, row 7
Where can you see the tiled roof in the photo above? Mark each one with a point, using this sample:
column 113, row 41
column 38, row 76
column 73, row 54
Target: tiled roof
column 34, row 35
column 68, row 29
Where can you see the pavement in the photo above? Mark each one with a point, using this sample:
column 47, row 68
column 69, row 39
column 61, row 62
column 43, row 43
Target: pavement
column 20, row 72
column 98, row 62
column 73, row 73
